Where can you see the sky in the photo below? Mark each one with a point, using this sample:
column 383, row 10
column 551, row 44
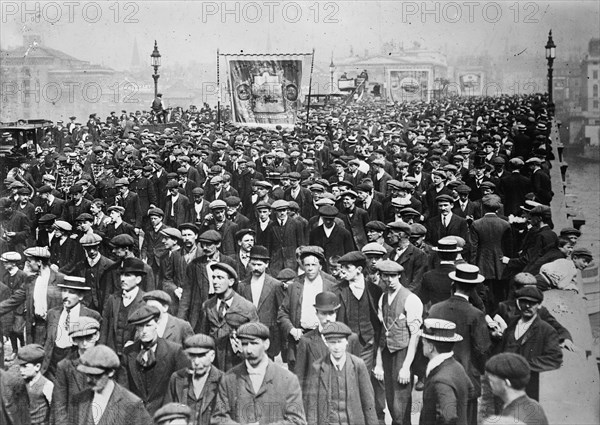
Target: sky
column 104, row 32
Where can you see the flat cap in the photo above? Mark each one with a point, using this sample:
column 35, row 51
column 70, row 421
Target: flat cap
column 263, row 205
column 10, row 256
column 316, row 187
column 336, row 330
column 376, row 225
column 65, row 226
column 328, row 211
column 286, row 274
column 232, row 201
column 217, row 204
column 373, row 248
column 280, row 204
column 487, row 185
column 463, row 188
column 444, row 198
column 211, row 236
column 534, row 160
column 90, row 239
column 582, row 252
column 31, row 353
column 98, row 359
column 409, row 212
column 541, row 210
column 349, row 193
column 509, row 366
column 122, row 241
column 315, row 251
column 353, row 257
column 263, row 184
column 116, row 208
column 226, row 268
column 198, row 344
column 172, row 184
column 417, row 229
column 198, row 191
column 84, row 217
column 37, row 251
column 189, row 226
column 253, row 330
column 158, row 295
column 530, row 292
column 400, row 226
column 143, row 314
column 83, row 326
column 75, row 189
column 122, row 182
column 47, row 218
column 172, row 411
column 389, row 267
column 171, row 232
column 44, row 189
column 156, row 211
column 570, row 231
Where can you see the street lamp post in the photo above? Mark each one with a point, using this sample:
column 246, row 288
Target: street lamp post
column 331, row 71
column 550, row 55
column 155, row 64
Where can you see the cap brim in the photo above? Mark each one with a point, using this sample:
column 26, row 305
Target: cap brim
column 435, row 248
column 80, row 288
column 90, row 369
column 455, row 338
column 197, row 350
column 479, row 279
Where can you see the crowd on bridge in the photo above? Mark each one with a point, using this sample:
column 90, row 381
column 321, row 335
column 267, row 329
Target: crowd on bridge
column 212, row 273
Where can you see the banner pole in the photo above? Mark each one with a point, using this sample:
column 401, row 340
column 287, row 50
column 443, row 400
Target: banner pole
column 218, row 94
column 312, row 63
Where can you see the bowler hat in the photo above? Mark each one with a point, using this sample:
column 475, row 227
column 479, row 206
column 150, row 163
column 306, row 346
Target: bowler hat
column 198, row 344
column 132, row 265
column 327, row 301
column 466, row 273
column 260, row 253
column 440, row 330
column 98, row 359
column 253, row 330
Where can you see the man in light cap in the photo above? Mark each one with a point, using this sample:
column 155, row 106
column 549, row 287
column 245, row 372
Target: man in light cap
column 171, row 278
column 150, row 361
column 400, row 312
column 130, row 202
column 218, row 221
column 39, row 294
column 224, row 313
column 508, row 374
column 119, row 227
column 177, row 208
column 540, row 181
column 64, row 250
column 445, row 223
column 447, row 386
column 491, row 239
column 14, row 279
column 153, row 247
column 173, row 414
column 58, row 343
column 283, row 236
column 196, row 386
column 533, row 338
column 105, row 401
column 168, row 326
column 471, row 325
column 246, row 390
column 412, row 259
column 339, row 387
column 355, row 219
column 85, row 333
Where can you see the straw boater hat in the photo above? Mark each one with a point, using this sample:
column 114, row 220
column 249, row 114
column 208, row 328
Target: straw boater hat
column 466, row 273
column 440, row 330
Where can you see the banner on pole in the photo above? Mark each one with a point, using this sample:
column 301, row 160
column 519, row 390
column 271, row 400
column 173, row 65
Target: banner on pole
column 266, row 90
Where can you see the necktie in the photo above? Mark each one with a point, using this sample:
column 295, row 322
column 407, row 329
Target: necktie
column 146, row 357
column 222, row 309
column 68, row 319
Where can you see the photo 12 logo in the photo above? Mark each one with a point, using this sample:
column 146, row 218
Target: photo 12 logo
column 69, row 11
column 469, row 12
column 270, row 11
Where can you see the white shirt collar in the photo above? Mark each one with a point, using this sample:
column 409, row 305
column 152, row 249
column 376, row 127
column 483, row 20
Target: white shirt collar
column 338, row 363
column 436, row 361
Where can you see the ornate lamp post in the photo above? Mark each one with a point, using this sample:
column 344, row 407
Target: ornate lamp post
column 550, row 55
column 155, row 64
column 331, row 71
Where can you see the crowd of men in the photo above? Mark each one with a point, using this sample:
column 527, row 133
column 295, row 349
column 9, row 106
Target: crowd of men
column 318, row 275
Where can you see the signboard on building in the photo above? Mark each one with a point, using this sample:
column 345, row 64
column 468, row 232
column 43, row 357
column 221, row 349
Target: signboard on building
column 471, row 83
column 406, row 85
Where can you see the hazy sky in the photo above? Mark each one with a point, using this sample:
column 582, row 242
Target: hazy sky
column 104, row 31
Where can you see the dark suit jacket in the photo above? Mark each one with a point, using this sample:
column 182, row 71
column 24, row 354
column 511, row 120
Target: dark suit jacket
column 179, row 385
column 177, row 330
column 356, row 226
column 181, row 211
column 65, row 256
column 373, row 293
column 14, row 406
column 269, row 301
column 153, row 247
column 436, row 285
column 195, row 291
column 72, row 211
column 110, row 316
column 470, row 322
column 457, row 227
column 375, row 210
column 279, row 395
column 95, row 279
column 508, row 311
column 56, row 208
column 227, row 231
column 133, row 211
column 311, row 348
column 445, row 395
column 204, row 211
column 542, row 187
column 473, row 209
column 123, row 407
column 241, row 311
column 52, row 329
column 24, row 296
column 282, row 243
column 338, row 243
column 68, row 382
column 492, row 238
column 288, row 316
column 151, row 384
column 513, row 187
column 304, row 200
column 123, row 229
column 360, row 401
column 414, row 262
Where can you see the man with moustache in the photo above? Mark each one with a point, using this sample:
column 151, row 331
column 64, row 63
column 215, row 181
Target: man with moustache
column 58, row 342
column 245, row 239
column 196, row 386
column 105, row 401
column 85, row 333
column 92, row 268
column 258, row 386
column 150, row 361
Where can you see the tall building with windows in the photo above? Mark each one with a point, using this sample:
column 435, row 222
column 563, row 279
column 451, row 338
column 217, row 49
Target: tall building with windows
column 590, row 80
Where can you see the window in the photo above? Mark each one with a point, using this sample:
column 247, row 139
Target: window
column 595, row 74
column 595, row 90
column 595, row 104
